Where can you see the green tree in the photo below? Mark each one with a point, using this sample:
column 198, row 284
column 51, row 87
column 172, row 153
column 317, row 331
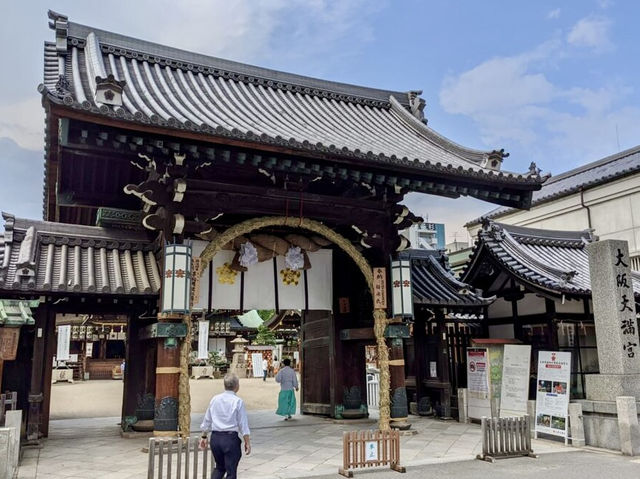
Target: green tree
column 265, row 314
column 265, row 336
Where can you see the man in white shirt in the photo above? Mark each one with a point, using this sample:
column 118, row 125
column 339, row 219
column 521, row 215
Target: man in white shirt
column 265, row 369
column 226, row 417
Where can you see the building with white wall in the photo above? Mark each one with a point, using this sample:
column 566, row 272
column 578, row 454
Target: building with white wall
column 603, row 196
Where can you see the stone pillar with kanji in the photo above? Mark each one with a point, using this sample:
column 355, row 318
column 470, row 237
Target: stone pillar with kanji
column 614, row 313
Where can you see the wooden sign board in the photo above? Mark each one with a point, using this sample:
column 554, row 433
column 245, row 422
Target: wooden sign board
column 380, row 288
column 9, row 343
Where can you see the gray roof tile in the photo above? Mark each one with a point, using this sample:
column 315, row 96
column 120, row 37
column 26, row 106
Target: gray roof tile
column 435, row 285
column 39, row 256
column 553, row 261
column 177, row 89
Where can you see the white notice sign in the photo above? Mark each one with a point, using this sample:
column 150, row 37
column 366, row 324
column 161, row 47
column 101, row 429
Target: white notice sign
column 515, row 380
column 64, row 336
column 203, row 339
column 371, row 451
column 552, row 392
column 478, row 382
column 256, row 362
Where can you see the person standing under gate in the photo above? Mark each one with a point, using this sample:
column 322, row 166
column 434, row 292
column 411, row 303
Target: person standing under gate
column 265, row 368
column 288, row 382
column 226, row 417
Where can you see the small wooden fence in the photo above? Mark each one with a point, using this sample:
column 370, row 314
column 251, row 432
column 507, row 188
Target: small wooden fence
column 8, row 402
column 370, row 449
column 505, row 437
column 178, row 458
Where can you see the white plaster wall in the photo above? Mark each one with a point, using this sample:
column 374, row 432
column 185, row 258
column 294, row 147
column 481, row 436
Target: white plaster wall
column 531, row 304
column 501, row 331
column 570, row 307
column 500, row 309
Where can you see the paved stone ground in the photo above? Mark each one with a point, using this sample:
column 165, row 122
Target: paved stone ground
column 579, row 464
column 307, row 446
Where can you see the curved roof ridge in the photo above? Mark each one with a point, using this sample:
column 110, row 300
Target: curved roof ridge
column 523, row 257
column 526, row 233
column 125, row 44
column 430, row 134
column 51, row 227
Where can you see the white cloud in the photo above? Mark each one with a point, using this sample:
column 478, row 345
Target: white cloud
column 591, row 32
column 277, row 33
column 554, row 14
column 23, row 122
column 515, row 105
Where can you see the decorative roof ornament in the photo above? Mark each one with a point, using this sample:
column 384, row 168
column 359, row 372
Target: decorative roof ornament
column 59, row 23
column 534, row 170
column 417, row 104
column 493, row 230
column 109, row 90
column 567, row 277
column 494, row 160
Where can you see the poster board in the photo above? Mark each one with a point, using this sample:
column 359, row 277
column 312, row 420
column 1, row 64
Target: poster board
column 203, row 339
column 515, row 380
column 552, row 393
column 478, row 383
column 64, row 336
column 256, row 363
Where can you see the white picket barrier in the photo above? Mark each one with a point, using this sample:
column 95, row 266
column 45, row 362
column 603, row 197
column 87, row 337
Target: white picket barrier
column 178, row 458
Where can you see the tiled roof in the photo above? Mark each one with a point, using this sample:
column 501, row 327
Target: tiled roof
column 435, row 285
column 553, row 261
column 187, row 91
column 587, row 176
column 39, row 256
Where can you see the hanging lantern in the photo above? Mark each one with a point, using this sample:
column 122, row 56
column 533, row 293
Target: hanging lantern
column 176, row 286
column 401, row 289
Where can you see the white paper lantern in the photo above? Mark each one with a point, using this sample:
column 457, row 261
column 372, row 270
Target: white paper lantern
column 401, row 289
column 176, row 284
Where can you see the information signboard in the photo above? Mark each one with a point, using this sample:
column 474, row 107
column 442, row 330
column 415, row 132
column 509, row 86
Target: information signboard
column 203, row 339
column 552, row 392
column 64, row 336
column 515, row 380
column 478, row 383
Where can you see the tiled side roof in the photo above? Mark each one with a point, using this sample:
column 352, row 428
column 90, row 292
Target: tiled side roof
column 435, row 285
column 555, row 261
column 182, row 90
column 52, row 257
column 587, row 176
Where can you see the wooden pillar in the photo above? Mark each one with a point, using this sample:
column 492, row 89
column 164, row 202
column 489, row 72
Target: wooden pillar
column 443, row 364
column 167, row 381
column 419, row 337
column 399, row 404
column 134, row 371
column 50, row 343
column 37, row 373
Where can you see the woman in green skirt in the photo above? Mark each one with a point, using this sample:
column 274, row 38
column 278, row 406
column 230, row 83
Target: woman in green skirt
column 288, row 383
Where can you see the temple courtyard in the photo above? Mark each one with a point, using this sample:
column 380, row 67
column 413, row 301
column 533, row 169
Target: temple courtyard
column 85, row 440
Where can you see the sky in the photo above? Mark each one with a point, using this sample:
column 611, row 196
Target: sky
column 549, row 81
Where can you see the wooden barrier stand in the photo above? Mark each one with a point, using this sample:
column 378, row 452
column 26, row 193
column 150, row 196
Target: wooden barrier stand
column 179, row 458
column 370, row 449
column 505, row 437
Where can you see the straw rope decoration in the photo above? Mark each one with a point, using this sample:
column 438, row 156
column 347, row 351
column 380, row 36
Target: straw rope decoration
column 379, row 315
